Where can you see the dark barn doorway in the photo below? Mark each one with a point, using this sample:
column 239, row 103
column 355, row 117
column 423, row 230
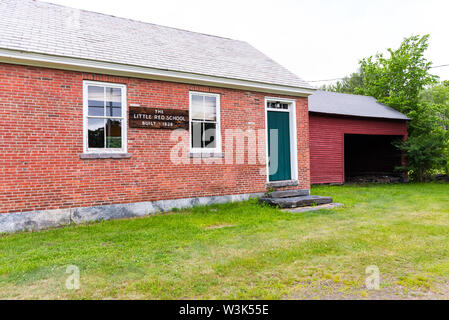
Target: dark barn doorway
column 370, row 158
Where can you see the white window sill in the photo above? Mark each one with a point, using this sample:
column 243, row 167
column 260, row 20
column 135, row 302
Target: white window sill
column 206, row 155
column 93, row 156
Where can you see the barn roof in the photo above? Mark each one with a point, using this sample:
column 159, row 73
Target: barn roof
column 351, row 105
column 39, row 27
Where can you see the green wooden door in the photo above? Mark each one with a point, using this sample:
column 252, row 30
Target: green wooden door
column 279, row 146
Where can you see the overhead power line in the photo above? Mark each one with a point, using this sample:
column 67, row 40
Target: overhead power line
column 440, row 66
column 335, row 79
column 326, row 80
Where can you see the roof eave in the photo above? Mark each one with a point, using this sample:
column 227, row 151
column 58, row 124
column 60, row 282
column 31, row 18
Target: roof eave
column 358, row 116
column 117, row 69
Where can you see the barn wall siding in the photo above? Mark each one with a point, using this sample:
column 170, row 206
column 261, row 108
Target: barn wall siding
column 327, row 142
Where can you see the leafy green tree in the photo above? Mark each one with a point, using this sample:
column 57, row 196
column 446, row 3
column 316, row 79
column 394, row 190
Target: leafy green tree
column 436, row 98
column 426, row 149
column 347, row 85
column 424, row 154
column 398, row 79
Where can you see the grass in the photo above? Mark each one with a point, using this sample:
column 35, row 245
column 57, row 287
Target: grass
column 246, row 251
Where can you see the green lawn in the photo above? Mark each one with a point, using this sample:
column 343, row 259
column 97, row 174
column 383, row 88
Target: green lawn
column 245, row 251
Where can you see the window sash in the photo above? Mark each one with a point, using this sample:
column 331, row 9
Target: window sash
column 106, row 133
column 203, row 139
column 217, row 136
column 122, row 118
column 205, row 109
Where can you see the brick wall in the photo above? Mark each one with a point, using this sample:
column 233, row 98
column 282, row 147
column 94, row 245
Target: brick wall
column 327, row 164
column 41, row 138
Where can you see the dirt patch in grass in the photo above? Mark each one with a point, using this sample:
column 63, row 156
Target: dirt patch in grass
column 219, row 226
column 338, row 290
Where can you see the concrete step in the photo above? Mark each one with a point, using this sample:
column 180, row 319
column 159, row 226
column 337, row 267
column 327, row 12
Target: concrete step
column 288, row 194
column 296, row 202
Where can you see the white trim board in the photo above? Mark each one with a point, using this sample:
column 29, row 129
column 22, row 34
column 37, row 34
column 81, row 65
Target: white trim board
column 110, row 68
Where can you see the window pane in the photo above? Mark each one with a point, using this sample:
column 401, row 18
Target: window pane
column 210, row 108
column 96, row 133
column 197, row 107
column 96, row 101
column 113, row 134
column 210, row 132
column 196, row 133
column 278, row 105
column 114, row 102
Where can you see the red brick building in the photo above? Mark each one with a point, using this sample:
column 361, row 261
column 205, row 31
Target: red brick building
column 88, row 101
column 351, row 136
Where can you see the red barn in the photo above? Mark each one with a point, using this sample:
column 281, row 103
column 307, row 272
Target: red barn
column 351, row 136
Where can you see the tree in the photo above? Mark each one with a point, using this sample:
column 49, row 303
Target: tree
column 426, row 149
column 347, row 85
column 398, row 80
column 424, row 153
column 437, row 100
column 437, row 97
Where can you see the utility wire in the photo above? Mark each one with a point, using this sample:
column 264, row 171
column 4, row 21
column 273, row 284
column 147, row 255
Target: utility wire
column 440, row 66
column 326, row 80
column 335, row 79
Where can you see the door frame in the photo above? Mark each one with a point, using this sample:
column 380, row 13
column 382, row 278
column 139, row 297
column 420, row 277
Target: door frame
column 293, row 134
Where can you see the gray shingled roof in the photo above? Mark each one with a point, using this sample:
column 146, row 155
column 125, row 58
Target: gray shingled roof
column 351, row 105
column 40, row 27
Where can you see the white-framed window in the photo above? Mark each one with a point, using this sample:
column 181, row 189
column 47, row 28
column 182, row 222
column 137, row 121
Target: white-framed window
column 205, row 133
column 104, row 112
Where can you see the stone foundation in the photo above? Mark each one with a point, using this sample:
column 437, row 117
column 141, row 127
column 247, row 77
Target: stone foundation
column 37, row 220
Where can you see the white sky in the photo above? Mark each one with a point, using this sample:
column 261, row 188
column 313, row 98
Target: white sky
column 316, row 39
